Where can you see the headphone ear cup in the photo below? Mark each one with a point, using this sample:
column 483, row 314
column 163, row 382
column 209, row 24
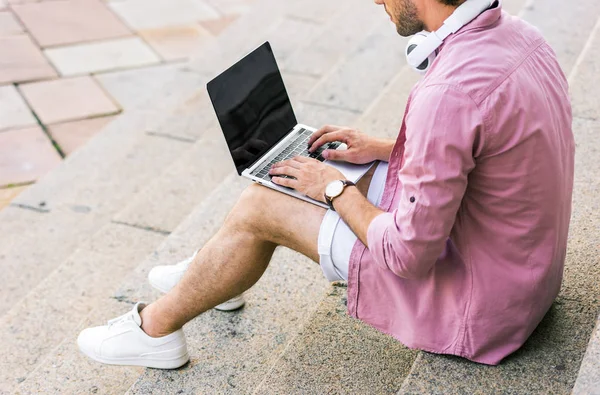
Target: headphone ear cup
column 413, row 43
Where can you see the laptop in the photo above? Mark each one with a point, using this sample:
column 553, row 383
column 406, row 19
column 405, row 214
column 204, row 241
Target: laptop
column 259, row 124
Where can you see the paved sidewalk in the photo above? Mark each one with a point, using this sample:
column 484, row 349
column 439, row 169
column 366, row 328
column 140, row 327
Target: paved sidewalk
column 69, row 67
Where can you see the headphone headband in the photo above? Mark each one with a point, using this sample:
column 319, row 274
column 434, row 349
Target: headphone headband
column 463, row 14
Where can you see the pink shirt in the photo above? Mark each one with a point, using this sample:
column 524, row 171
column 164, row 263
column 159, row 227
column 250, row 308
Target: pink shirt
column 469, row 255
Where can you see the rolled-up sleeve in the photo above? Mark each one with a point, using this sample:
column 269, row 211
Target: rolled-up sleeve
column 444, row 129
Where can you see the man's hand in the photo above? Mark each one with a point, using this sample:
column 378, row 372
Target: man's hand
column 362, row 148
column 311, row 176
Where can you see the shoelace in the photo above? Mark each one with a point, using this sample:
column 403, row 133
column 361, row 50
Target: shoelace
column 125, row 317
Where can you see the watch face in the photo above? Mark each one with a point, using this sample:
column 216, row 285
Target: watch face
column 334, row 189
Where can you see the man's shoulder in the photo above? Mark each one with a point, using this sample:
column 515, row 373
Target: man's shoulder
column 477, row 61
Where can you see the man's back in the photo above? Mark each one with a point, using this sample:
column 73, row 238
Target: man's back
column 497, row 173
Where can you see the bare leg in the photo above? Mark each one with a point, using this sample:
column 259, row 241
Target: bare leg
column 238, row 255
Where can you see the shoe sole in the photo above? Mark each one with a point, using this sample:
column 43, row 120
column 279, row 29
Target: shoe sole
column 172, row 363
column 221, row 307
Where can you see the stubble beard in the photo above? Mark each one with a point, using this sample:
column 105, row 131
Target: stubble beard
column 408, row 22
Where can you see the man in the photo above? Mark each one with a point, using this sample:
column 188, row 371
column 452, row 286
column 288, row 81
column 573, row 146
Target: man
column 458, row 247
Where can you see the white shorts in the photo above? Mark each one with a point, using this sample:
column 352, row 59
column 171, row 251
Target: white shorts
column 336, row 240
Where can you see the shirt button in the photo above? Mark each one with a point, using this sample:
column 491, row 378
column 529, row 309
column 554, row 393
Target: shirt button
column 412, row 199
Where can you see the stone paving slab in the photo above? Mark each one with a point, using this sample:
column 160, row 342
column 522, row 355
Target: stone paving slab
column 217, row 26
column 21, row 60
column 172, row 195
column 132, row 88
column 102, row 188
column 335, row 354
column 557, row 21
column 72, row 135
column 67, row 296
column 585, row 100
column 67, row 371
column 384, row 117
column 333, row 43
column 14, row 112
column 25, row 155
column 588, row 380
column 65, row 22
column 151, row 14
column 9, row 25
column 346, row 87
column 68, row 99
column 101, row 56
column 232, row 7
column 176, row 43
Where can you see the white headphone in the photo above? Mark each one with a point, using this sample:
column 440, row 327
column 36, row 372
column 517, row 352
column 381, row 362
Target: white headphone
column 421, row 48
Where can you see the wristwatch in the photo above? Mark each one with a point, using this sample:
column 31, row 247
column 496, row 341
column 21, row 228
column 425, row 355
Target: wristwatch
column 335, row 189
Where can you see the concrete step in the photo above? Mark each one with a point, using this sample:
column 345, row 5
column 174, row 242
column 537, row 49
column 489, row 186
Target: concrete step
column 78, row 197
column 174, row 184
column 90, row 187
column 337, row 354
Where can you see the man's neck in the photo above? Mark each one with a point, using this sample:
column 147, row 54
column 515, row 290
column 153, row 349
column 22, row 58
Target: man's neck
column 434, row 14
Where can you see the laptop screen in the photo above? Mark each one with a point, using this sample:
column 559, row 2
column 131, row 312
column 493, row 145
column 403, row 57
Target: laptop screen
column 252, row 105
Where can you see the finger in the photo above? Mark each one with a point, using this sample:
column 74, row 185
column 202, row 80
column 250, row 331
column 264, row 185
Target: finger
column 303, row 159
column 338, row 155
column 285, row 171
column 340, row 135
column 324, row 130
column 285, row 182
column 288, row 162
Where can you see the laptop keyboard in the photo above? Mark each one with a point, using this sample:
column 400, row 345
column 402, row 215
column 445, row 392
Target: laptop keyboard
column 297, row 147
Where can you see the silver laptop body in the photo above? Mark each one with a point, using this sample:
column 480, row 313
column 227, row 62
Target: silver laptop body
column 259, row 124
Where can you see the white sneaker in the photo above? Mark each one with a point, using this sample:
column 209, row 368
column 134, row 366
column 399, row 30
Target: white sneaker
column 164, row 278
column 123, row 342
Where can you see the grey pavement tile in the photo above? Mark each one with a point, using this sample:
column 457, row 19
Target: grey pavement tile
column 232, row 7
column 68, row 295
column 566, row 26
column 588, row 380
column 151, row 14
column 101, row 56
column 337, row 354
column 131, row 88
column 335, row 39
column 585, row 81
column 14, row 112
column 384, row 117
column 177, row 42
column 65, row 370
column 173, row 194
column 354, row 83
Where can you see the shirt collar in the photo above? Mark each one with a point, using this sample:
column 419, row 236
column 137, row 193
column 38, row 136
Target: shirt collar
column 485, row 19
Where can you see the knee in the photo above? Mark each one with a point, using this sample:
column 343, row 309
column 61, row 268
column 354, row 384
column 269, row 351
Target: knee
column 250, row 208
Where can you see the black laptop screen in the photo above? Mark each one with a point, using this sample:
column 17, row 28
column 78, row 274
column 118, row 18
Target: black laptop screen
column 252, row 106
